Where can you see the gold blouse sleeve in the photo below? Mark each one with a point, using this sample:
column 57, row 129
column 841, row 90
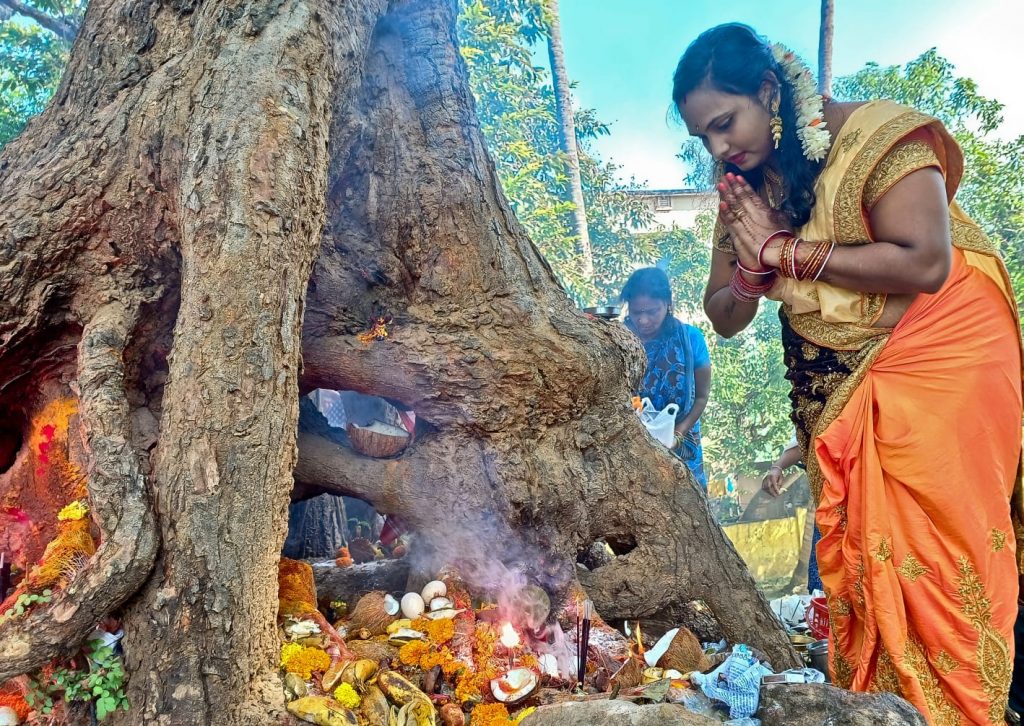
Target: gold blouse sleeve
column 909, row 155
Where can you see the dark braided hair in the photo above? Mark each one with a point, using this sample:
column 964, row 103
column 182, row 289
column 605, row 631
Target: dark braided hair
column 732, row 58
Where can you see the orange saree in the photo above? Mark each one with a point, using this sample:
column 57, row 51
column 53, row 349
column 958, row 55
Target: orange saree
column 912, row 440
column 917, row 548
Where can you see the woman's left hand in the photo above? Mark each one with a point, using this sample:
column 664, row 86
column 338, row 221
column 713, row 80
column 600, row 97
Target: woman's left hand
column 749, row 221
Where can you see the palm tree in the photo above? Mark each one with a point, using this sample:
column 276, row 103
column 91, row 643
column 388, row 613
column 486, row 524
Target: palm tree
column 567, row 136
column 828, row 11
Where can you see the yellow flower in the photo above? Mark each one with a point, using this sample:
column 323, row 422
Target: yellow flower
column 346, row 695
column 288, row 651
column 76, row 510
column 440, row 631
column 490, row 714
column 523, row 714
column 305, row 661
column 411, row 653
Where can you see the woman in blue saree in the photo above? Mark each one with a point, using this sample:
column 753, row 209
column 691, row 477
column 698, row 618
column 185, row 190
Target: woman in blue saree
column 678, row 364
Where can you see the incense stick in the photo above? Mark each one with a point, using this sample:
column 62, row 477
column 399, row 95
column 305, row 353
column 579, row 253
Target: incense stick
column 584, row 642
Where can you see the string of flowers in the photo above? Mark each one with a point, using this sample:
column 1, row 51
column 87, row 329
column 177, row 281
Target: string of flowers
column 815, row 139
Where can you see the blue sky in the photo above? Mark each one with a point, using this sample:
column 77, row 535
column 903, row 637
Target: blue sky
column 622, row 53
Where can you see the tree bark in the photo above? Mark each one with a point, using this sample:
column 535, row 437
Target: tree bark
column 219, row 198
column 562, row 87
column 825, row 33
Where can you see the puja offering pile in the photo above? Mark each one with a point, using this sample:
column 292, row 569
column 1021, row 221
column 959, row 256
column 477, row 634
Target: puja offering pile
column 439, row 656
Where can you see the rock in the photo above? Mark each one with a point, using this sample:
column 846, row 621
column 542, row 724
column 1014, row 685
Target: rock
column 615, row 713
column 294, row 686
column 348, row 584
column 819, row 704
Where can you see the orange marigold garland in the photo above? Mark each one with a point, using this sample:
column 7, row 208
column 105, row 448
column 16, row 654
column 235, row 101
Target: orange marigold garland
column 305, row 661
column 11, row 697
column 296, row 590
column 490, row 714
column 412, row 652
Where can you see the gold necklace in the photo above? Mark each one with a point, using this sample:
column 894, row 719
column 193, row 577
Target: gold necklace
column 773, row 187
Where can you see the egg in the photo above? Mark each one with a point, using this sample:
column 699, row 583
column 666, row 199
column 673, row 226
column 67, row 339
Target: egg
column 433, row 589
column 412, row 605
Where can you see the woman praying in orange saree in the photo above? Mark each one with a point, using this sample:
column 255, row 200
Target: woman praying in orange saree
column 902, row 343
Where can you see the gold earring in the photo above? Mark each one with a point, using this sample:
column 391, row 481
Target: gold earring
column 776, row 123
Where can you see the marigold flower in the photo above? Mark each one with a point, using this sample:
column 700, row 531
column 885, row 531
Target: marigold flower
column 412, row 652
column 490, row 714
column 304, row 661
column 288, row 650
column 440, row 631
column 346, row 695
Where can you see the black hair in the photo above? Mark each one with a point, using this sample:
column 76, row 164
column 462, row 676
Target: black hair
column 649, row 281
column 733, row 58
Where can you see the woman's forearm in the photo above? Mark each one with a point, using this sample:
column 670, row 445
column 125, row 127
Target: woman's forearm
column 728, row 315
column 691, row 418
column 885, row 267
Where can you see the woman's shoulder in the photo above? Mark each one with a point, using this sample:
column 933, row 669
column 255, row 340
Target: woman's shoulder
column 838, row 113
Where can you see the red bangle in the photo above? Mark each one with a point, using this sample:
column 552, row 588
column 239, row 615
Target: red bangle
column 745, row 291
column 769, row 238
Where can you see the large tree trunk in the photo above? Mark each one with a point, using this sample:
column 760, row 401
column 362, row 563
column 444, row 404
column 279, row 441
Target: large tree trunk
column 220, row 197
column 567, row 136
column 825, row 33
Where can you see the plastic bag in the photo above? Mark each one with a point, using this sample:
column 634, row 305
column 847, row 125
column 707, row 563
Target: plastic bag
column 661, row 424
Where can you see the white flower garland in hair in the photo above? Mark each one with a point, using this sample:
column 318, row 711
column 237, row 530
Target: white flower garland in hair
column 810, row 115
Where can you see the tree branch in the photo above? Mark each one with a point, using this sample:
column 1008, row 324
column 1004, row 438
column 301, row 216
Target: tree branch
column 119, row 500
column 64, row 30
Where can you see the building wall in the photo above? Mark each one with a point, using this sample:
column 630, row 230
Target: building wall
column 676, row 208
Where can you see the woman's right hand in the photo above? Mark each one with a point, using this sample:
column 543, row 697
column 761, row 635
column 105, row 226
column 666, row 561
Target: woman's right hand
column 772, row 482
column 747, row 218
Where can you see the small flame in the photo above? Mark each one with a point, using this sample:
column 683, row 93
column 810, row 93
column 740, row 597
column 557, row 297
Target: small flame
column 509, row 636
column 639, row 640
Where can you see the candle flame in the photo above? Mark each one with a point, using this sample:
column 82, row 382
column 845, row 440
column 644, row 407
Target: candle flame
column 639, row 640
column 509, row 636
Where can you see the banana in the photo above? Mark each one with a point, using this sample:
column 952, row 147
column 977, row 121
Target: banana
column 398, row 688
column 375, row 708
column 416, row 713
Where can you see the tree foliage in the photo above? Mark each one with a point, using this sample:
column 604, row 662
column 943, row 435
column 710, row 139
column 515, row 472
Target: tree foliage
column 516, row 107
column 32, row 60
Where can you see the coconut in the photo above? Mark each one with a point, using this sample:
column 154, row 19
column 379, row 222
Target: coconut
column 630, row 674
column 379, row 440
column 412, row 605
column 8, row 716
column 684, row 654
column 371, row 614
column 440, row 603
column 514, row 686
column 374, row 650
column 434, row 588
column 391, row 605
column 445, row 614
